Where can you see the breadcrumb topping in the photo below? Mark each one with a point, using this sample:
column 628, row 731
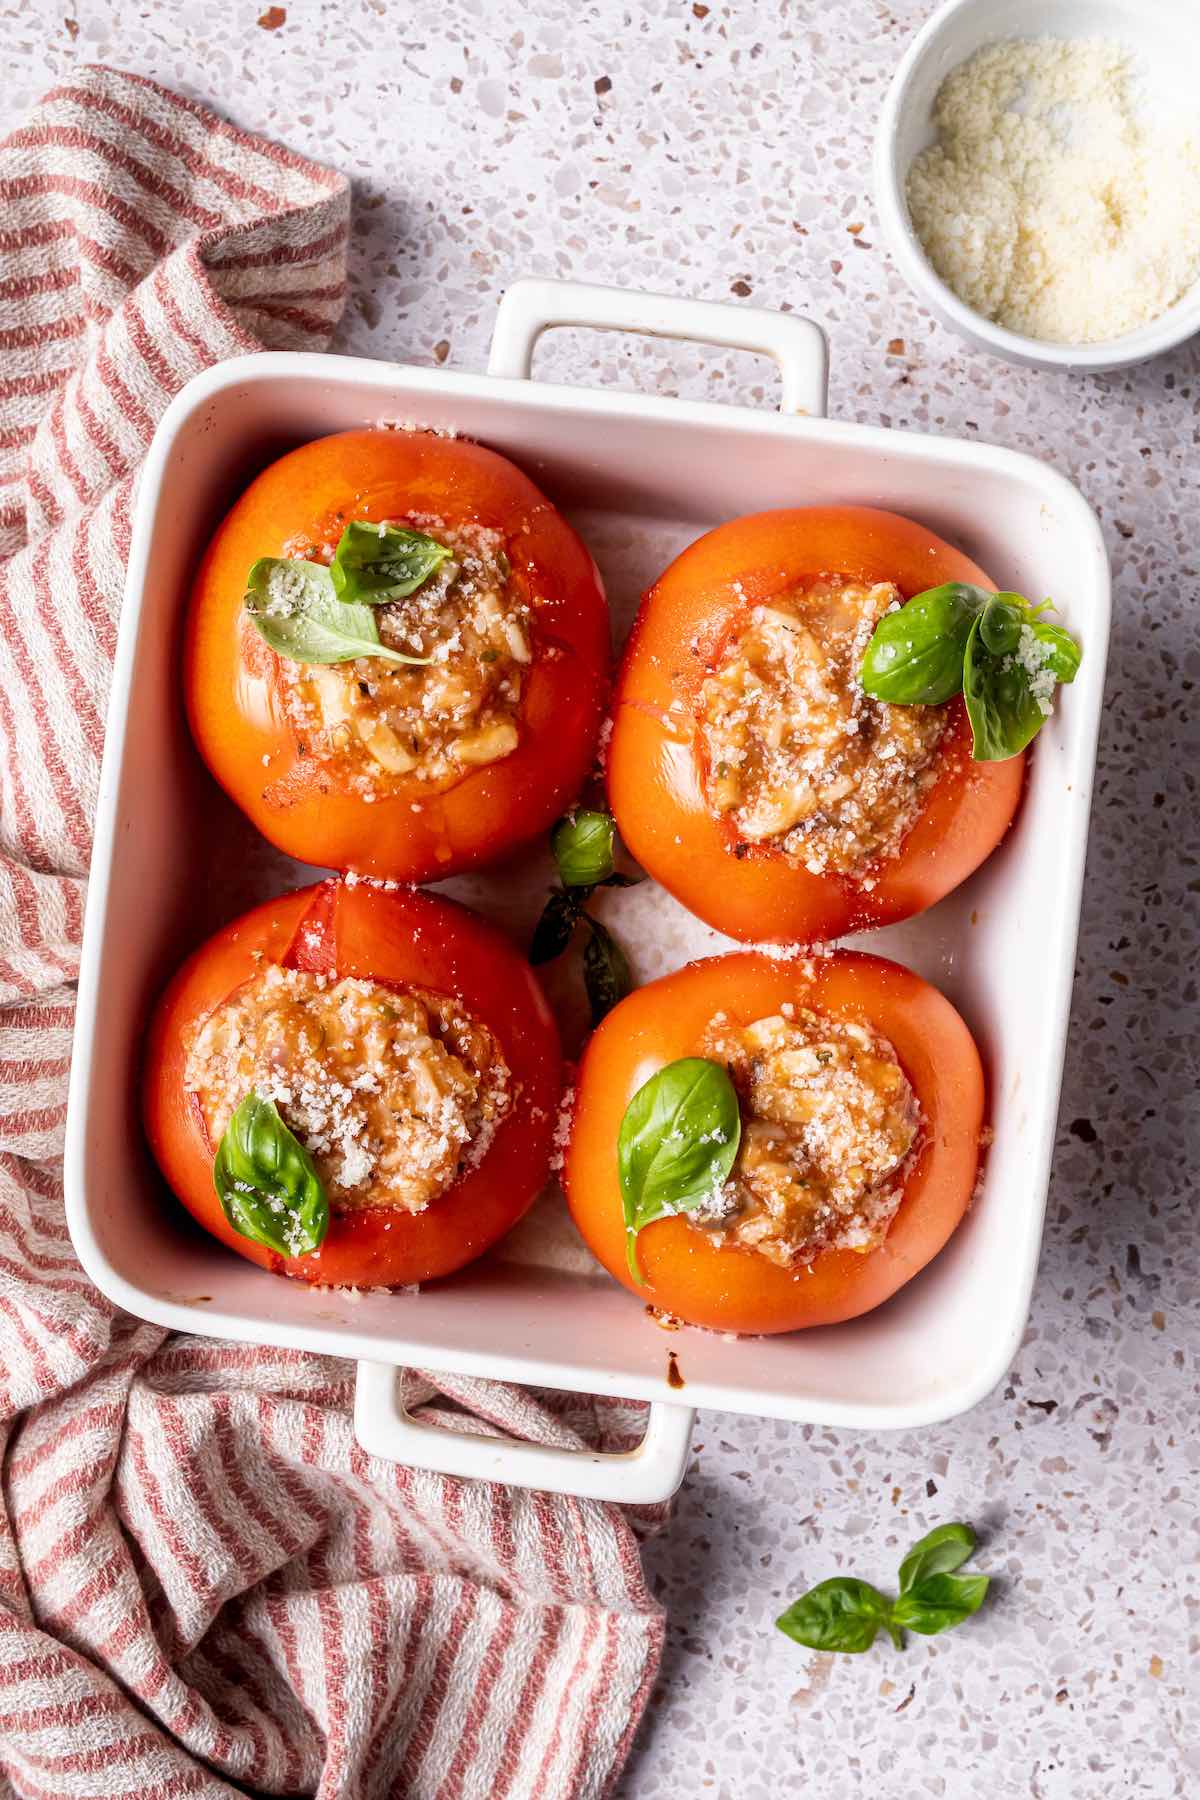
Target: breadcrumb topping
column 795, row 754
column 828, row 1122
column 382, row 727
column 393, row 1094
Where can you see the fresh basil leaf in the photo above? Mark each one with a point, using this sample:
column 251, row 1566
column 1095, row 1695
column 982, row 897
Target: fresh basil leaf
column 267, row 1182
column 1005, row 714
column 378, row 563
column 842, row 1613
column 994, row 647
column 1060, row 653
column 295, row 608
column 583, row 847
column 937, row 1553
column 915, row 656
column 606, row 973
column 676, row 1145
column 939, row 1602
column 1000, row 623
column 555, row 928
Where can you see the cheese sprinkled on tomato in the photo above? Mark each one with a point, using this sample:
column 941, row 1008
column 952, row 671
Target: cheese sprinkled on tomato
column 394, row 1094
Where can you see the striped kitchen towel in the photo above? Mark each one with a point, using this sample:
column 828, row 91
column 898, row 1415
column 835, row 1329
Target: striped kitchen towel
column 206, row 1588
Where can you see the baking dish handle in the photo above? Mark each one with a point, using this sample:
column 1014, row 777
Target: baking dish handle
column 640, row 1477
column 530, row 307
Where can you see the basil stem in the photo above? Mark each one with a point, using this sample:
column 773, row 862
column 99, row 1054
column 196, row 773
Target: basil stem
column 583, row 848
column 378, row 563
column 847, row 1614
column 676, row 1144
column 296, row 610
column 993, row 648
column 267, row 1182
column 583, row 845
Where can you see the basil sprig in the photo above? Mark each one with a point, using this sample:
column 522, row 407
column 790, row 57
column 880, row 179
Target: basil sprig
column 296, row 609
column 379, row 563
column 994, row 649
column 313, row 614
column 267, row 1182
column 847, row 1614
column 676, row 1145
column 583, row 846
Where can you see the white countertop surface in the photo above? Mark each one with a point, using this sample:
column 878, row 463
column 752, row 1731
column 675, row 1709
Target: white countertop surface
column 723, row 150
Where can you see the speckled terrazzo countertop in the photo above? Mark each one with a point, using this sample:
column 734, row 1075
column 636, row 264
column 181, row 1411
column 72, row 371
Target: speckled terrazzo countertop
column 723, row 150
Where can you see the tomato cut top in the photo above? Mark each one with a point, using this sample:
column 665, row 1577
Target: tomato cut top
column 724, row 1285
column 659, row 782
column 341, row 765
column 409, row 943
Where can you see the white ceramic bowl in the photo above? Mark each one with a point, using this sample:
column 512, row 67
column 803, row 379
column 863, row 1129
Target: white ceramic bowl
column 641, row 476
column 1163, row 36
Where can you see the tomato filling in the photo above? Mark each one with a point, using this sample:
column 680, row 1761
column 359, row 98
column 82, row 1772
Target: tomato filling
column 795, row 755
column 379, row 727
column 829, row 1120
column 394, row 1094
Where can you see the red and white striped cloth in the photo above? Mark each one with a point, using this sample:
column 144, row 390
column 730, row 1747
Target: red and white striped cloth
column 205, row 1586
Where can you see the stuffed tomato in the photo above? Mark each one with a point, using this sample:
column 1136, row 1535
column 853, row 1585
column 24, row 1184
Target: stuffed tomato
column 749, row 771
column 760, row 1145
column 396, row 657
column 354, row 1087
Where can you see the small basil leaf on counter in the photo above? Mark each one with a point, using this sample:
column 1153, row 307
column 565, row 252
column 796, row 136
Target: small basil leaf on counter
column 267, row 1182
column 842, row 1613
column 915, row 656
column 583, row 847
column 1000, row 623
column 939, row 1602
column 1004, row 712
column 1060, row 653
column 295, row 608
column 376, row 564
column 556, row 927
column 606, row 973
column 676, row 1145
column 941, row 1550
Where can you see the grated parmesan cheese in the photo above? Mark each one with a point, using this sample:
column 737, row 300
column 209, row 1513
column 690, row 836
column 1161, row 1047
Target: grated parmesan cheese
column 828, row 1121
column 1033, row 656
column 393, row 1093
column 1051, row 203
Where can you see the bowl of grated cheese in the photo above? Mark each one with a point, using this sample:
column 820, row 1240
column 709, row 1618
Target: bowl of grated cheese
column 1037, row 176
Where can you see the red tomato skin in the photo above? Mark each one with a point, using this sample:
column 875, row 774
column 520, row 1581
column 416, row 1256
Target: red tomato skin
column 234, row 700
column 654, row 774
column 728, row 1288
column 409, row 939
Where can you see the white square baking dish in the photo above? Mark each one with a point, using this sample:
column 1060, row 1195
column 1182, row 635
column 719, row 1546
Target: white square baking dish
column 640, row 477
